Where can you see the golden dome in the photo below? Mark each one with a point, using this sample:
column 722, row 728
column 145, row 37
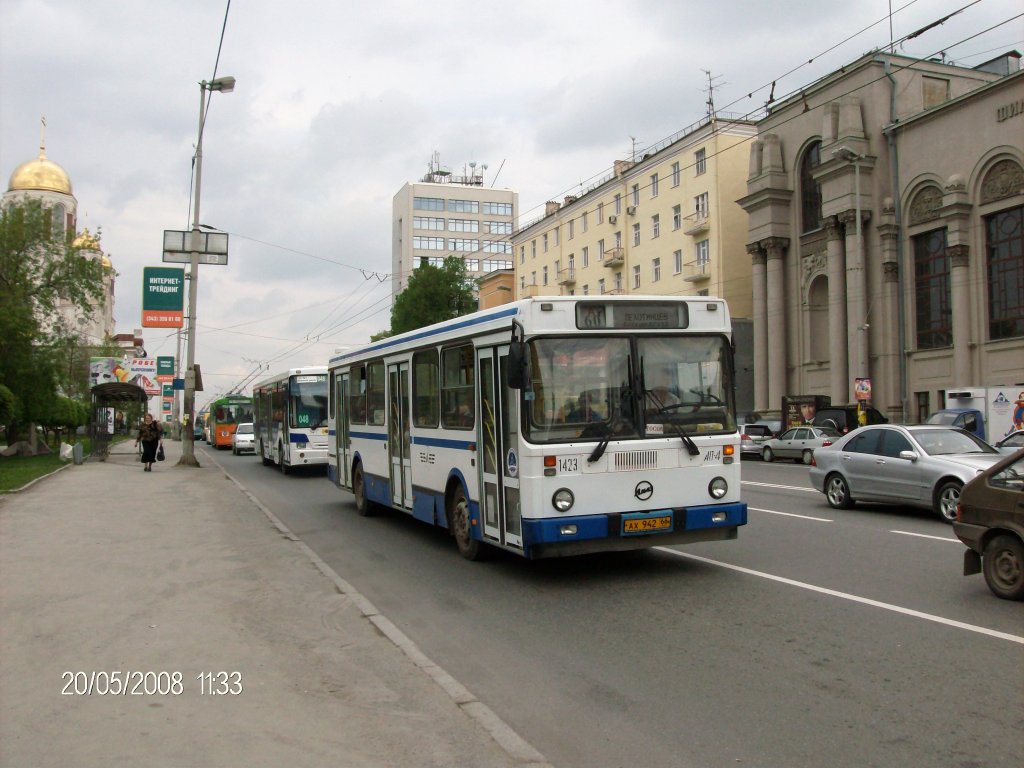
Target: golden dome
column 87, row 241
column 106, row 263
column 40, row 174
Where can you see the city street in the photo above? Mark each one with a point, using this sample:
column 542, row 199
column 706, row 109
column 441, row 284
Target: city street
column 819, row 637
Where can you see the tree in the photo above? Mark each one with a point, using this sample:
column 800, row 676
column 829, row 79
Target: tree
column 433, row 294
column 41, row 269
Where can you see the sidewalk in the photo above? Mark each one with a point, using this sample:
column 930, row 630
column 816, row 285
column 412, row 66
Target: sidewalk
column 178, row 574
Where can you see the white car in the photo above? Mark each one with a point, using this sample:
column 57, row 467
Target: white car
column 244, row 439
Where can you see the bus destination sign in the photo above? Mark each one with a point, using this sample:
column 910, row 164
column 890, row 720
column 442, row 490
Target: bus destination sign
column 627, row 316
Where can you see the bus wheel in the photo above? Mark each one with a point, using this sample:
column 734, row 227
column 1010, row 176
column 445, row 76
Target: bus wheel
column 285, row 469
column 459, row 519
column 359, row 491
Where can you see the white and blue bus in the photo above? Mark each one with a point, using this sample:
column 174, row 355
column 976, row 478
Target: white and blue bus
column 290, row 418
column 550, row 426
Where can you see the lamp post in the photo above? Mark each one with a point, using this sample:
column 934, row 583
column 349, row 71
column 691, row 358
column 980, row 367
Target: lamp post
column 854, row 158
column 188, row 449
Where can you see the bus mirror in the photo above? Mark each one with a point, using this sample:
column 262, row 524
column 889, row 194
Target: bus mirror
column 517, row 368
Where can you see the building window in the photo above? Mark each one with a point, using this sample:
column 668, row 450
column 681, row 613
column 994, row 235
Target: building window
column 677, row 261
column 522, row 282
column 428, row 222
column 586, row 289
column 702, row 252
column 922, row 401
column 498, row 227
column 675, row 174
column 635, row 194
column 700, row 162
column 1004, row 261
column 810, row 190
column 545, row 242
column 533, row 249
column 932, row 290
column 700, row 205
column 533, row 278
column 600, row 285
column 461, row 245
column 600, row 250
column 618, row 204
column 654, row 185
column 585, row 254
column 498, row 209
column 544, row 275
column 428, row 203
column 636, row 276
column 522, row 254
column 464, row 206
column 463, row 225
column 618, row 239
column 571, row 225
column 617, row 282
column 583, row 221
column 655, row 226
column 428, row 243
column 497, row 246
column 600, row 213
column 636, row 234
column 677, row 216
column 655, row 270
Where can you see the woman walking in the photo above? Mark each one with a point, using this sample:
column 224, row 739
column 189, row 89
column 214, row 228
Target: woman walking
column 149, row 435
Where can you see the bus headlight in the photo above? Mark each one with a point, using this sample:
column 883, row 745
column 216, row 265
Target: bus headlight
column 718, row 488
column 563, row 500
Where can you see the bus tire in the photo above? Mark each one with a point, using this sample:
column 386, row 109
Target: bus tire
column 459, row 522
column 285, row 469
column 363, row 504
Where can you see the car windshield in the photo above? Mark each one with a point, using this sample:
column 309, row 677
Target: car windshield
column 947, row 442
column 581, row 387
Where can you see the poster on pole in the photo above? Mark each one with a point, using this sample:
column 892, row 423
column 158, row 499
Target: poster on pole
column 163, row 297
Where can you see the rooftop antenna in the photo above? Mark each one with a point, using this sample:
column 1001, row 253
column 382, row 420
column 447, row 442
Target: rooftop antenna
column 710, row 91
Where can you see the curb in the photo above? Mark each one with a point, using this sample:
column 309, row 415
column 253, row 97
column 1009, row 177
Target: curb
column 514, row 745
column 30, row 483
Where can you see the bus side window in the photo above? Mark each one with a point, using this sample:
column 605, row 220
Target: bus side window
column 357, row 395
column 457, row 388
column 424, row 387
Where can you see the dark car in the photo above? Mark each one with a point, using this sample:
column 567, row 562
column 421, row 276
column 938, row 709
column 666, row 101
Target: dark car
column 845, row 418
column 990, row 521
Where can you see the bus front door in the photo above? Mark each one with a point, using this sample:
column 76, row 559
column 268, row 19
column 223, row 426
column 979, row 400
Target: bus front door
column 399, row 447
column 498, row 439
column 342, row 441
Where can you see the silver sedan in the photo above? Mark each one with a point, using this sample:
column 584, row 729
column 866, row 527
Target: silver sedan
column 798, row 443
column 923, row 466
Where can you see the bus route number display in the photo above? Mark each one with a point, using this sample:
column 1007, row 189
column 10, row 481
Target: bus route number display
column 596, row 316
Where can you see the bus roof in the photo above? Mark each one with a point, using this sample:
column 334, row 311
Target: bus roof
column 312, row 370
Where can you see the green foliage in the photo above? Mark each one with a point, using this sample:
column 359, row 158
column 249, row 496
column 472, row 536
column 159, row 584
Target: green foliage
column 40, row 270
column 433, row 294
column 8, row 405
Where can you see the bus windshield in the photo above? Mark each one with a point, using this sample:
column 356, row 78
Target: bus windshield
column 233, row 413
column 308, row 401
column 581, row 388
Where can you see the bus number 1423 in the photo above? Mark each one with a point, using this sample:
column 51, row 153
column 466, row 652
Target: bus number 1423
column 568, row 464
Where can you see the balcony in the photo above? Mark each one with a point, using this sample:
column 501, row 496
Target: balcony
column 614, row 292
column 614, row 257
column 697, row 271
column 538, row 290
column 567, row 277
column 696, row 223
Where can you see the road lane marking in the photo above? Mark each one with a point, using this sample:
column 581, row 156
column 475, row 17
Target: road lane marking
column 792, row 514
column 926, row 536
column 784, row 487
column 853, row 598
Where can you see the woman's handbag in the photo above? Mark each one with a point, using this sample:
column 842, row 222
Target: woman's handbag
column 160, row 452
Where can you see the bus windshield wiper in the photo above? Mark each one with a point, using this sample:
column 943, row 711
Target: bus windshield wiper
column 663, row 410
column 602, row 446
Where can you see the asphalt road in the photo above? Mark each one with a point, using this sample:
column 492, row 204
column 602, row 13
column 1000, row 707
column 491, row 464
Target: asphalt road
column 820, row 637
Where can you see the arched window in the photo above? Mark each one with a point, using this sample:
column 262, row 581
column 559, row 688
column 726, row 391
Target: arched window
column 818, row 319
column 58, row 213
column 810, row 190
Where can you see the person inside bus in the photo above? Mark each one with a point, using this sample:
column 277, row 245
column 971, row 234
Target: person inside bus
column 660, row 394
column 583, row 411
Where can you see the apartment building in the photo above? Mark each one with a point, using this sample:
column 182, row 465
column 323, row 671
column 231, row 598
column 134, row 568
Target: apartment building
column 444, row 215
column 664, row 223
column 886, row 231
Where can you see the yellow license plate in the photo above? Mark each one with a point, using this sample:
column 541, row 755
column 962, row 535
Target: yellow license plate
column 645, row 524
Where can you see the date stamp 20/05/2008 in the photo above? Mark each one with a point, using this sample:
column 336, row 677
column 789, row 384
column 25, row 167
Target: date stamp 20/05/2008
column 137, row 683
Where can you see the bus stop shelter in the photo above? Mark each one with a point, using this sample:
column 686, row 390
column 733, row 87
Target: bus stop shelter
column 105, row 399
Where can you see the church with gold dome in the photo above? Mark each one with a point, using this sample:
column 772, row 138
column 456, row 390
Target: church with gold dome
column 44, row 180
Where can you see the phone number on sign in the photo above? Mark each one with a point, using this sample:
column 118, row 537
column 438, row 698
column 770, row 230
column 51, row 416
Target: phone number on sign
column 119, row 683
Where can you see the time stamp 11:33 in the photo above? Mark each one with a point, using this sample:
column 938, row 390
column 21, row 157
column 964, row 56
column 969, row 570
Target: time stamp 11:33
column 137, row 683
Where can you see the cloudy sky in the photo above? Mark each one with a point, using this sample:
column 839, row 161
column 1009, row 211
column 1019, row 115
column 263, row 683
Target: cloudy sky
column 338, row 104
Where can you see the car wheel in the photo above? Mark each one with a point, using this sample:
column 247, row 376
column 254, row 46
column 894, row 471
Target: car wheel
column 359, row 491
column 837, row 491
column 807, row 456
column 767, row 454
column 459, row 521
column 1003, row 565
column 946, row 500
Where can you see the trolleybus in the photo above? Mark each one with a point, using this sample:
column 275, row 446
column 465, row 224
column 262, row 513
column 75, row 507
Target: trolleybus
column 224, row 416
column 291, row 418
column 549, row 426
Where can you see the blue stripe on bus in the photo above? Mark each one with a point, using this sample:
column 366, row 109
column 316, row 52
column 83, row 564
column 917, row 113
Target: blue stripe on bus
column 300, row 438
column 369, row 435
column 440, row 442
column 428, row 333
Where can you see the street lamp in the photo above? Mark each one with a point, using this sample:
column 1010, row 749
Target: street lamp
column 855, row 158
column 188, row 451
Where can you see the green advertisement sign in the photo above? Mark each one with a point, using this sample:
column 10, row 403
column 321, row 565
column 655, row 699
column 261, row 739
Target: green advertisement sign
column 163, row 297
column 165, row 366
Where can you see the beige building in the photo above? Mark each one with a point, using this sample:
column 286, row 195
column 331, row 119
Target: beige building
column 44, row 180
column 664, row 224
column 927, row 293
column 444, row 215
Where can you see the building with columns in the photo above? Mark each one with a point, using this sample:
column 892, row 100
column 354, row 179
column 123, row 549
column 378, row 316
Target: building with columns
column 885, row 206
